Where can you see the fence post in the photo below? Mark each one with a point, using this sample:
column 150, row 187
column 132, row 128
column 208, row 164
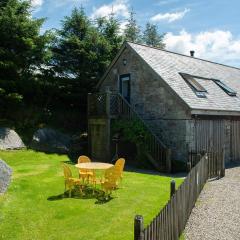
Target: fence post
column 222, row 171
column 207, row 165
column 169, row 160
column 89, row 103
column 88, row 123
column 108, row 107
column 172, row 188
column 108, row 124
column 189, row 166
column 138, row 227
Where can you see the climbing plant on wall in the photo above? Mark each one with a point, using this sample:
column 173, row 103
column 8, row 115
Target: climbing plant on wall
column 133, row 131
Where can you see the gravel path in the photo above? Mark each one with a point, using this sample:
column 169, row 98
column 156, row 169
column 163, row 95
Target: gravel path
column 216, row 215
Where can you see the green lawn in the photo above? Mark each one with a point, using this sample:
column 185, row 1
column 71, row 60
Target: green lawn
column 27, row 213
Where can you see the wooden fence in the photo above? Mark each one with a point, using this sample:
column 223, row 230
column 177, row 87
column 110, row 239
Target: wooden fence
column 171, row 221
column 97, row 104
column 216, row 163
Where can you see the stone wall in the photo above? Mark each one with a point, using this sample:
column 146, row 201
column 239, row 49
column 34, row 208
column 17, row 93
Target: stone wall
column 174, row 135
column 160, row 108
column 150, row 95
column 164, row 112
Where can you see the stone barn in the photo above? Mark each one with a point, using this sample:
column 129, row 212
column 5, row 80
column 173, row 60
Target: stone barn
column 185, row 104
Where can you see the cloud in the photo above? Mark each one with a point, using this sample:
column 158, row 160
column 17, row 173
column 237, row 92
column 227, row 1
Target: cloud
column 219, row 46
column 118, row 7
column 36, row 3
column 165, row 2
column 122, row 27
column 169, row 17
column 71, row 3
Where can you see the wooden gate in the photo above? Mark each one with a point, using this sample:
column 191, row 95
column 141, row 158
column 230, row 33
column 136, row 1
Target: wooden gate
column 214, row 135
column 99, row 142
column 235, row 141
column 209, row 135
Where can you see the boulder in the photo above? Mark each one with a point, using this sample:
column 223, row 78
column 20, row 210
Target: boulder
column 50, row 140
column 9, row 139
column 5, row 176
column 78, row 146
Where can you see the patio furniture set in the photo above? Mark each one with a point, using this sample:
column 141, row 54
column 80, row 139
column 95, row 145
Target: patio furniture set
column 108, row 181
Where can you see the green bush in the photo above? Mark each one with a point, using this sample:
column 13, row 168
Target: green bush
column 133, row 131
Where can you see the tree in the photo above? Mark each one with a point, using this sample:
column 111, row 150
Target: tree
column 109, row 28
column 80, row 57
column 151, row 36
column 132, row 30
column 23, row 51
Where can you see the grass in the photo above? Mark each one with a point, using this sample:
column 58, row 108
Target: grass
column 34, row 209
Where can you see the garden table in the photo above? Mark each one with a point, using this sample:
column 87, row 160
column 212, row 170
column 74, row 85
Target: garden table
column 94, row 165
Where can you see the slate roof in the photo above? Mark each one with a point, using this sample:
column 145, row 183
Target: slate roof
column 168, row 65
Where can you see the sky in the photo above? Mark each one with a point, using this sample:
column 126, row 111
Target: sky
column 209, row 27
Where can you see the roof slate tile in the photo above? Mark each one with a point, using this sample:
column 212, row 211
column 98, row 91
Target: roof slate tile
column 168, row 65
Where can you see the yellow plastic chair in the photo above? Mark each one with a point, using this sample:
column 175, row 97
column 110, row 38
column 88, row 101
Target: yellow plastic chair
column 110, row 180
column 119, row 166
column 70, row 182
column 85, row 173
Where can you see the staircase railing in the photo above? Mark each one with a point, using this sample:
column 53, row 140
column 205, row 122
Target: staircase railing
column 118, row 107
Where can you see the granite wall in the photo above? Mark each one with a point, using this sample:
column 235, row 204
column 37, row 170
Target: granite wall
column 160, row 108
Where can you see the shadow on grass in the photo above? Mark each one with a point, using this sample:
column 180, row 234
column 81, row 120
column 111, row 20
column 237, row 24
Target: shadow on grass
column 87, row 193
column 154, row 172
column 68, row 162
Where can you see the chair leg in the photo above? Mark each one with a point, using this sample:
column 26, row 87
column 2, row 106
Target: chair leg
column 108, row 194
column 80, row 188
column 88, row 179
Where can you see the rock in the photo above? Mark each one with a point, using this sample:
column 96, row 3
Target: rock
column 78, row 146
column 50, row 140
column 9, row 139
column 5, row 176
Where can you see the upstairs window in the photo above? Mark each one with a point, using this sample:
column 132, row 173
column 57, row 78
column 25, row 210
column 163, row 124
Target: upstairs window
column 198, row 89
column 225, row 88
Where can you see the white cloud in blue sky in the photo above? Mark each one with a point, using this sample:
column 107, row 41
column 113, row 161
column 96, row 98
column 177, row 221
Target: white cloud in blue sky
column 211, row 28
column 169, row 16
column 72, row 3
column 165, row 2
column 36, row 3
column 213, row 45
column 118, row 7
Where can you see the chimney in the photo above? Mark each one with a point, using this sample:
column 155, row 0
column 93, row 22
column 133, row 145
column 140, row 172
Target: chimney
column 192, row 53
